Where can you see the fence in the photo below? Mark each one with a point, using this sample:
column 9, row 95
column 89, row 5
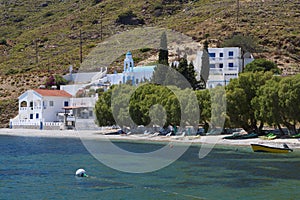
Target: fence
column 36, row 125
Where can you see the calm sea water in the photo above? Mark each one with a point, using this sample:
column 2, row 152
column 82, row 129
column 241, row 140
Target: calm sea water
column 43, row 168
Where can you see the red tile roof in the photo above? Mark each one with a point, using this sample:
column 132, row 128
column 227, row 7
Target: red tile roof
column 53, row 93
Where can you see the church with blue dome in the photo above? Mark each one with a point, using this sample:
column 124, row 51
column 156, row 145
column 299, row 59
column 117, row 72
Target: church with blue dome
column 131, row 73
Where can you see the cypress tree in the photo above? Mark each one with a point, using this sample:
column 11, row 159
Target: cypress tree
column 163, row 57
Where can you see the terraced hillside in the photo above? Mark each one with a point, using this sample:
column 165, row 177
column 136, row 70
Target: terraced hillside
column 42, row 37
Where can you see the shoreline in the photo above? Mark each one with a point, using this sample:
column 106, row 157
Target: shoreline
column 189, row 140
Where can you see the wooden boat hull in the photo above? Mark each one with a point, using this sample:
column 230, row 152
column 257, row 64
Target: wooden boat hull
column 264, row 148
column 239, row 137
column 267, row 137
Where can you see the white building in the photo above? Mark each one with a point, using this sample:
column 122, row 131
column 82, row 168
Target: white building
column 132, row 74
column 225, row 64
column 40, row 107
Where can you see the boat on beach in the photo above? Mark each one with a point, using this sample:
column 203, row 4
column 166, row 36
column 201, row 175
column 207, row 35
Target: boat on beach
column 270, row 149
column 270, row 136
column 244, row 135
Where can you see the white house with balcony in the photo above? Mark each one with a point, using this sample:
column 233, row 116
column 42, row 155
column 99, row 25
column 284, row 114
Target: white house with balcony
column 225, row 64
column 39, row 108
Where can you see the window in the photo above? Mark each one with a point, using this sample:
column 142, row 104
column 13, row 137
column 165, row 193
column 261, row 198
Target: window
column 31, row 116
column 221, row 65
column 212, row 55
column 37, row 115
column 31, row 105
column 24, row 104
column 66, row 104
column 221, row 55
column 230, row 64
column 51, row 103
column 230, row 53
column 212, row 66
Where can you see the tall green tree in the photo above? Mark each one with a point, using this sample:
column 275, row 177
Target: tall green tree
column 241, row 100
column 104, row 116
column 262, row 65
column 268, row 102
column 279, row 102
column 289, row 95
column 204, row 100
column 192, row 77
column 163, row 55
column 188, row 72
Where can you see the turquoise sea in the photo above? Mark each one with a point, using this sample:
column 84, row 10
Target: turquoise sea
column 43, row 168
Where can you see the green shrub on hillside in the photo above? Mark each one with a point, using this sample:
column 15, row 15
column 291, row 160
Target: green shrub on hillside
column 3, row 42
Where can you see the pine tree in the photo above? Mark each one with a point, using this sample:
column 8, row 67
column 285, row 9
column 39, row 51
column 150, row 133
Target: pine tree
column 191, row 76
column 188, row 71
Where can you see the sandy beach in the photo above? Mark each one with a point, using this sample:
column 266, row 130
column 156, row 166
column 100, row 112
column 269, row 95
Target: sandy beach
column 88, row 134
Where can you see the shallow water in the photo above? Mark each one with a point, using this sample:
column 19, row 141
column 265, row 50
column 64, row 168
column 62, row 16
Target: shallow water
column 43, row 168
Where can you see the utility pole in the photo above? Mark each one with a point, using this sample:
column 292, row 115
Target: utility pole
column 80, row 35
column 36, row 52
column 101, row 16
column 237, row 12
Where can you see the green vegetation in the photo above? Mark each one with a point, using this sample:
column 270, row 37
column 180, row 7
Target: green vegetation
column 7, row 109
column 143, row 106
column 188, row 71
column 246, row 43
column 183, row 75
column 129, row 18
column 241, row 94
column 253, row 100
column 56, row 24
column 278, row 102
column 55, row 80
column 3, row 42
column 163, row 54
column 262, row 65
column 257, row 99
column 273, row 24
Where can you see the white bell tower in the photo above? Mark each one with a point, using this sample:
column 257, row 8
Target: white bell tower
column 128, row 68
column 128, row 62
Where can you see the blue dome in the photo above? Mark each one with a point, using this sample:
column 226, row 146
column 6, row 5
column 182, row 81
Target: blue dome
column 128, row 53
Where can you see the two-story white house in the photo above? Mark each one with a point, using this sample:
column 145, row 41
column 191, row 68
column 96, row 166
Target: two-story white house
column 225, row 64
column 39, row 107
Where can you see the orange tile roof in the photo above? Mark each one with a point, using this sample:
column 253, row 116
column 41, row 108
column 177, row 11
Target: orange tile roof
column 53, row 93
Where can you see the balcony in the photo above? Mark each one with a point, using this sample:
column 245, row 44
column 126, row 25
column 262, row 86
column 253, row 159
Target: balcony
column 23, row 108
column 224, row 70
column 216, row 59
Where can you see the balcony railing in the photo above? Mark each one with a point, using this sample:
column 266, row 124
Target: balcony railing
column 30, row 108
column 224, row 70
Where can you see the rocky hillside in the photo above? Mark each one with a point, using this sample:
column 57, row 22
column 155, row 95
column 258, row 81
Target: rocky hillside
column 42, row 37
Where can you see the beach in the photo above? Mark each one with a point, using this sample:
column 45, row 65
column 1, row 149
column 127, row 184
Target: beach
column 197, row 140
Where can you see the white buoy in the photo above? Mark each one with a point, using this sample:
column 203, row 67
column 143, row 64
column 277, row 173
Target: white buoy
column 80, row 173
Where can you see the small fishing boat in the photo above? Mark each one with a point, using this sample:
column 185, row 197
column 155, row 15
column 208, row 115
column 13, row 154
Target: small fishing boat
column 270, row 136
column 238, row 136
column 270, row 149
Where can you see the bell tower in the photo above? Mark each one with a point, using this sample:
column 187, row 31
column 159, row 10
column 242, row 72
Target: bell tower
column 128, row 68
column 128, row 62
